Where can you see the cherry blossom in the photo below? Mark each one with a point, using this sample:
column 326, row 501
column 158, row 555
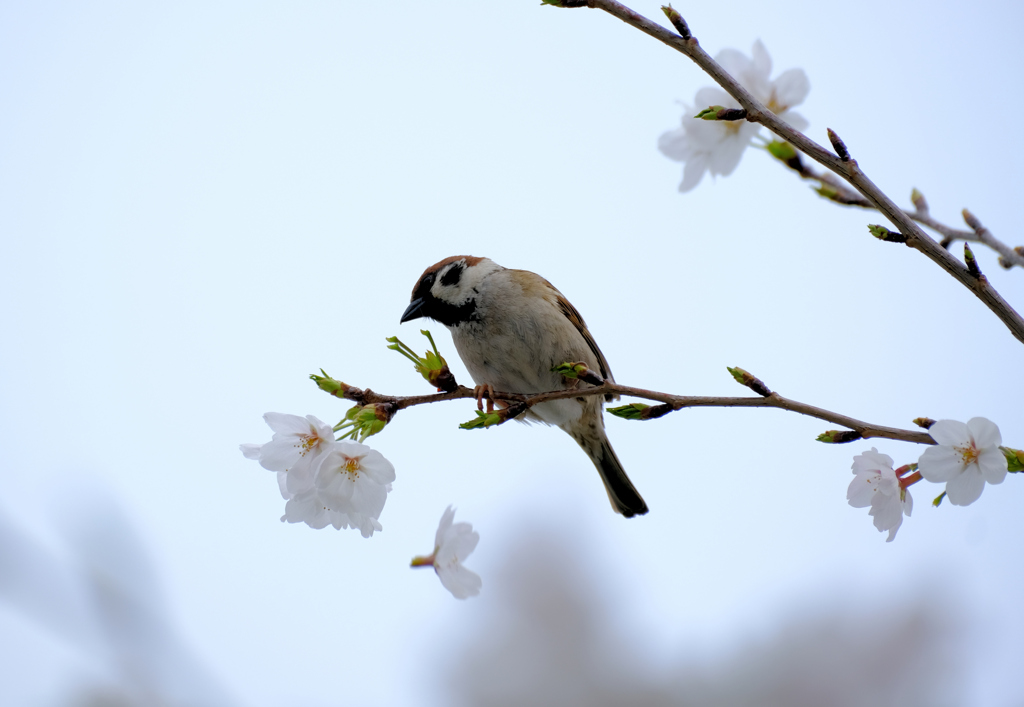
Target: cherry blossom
column 324, row 481
column 453, row 543
column 965, row 457
column 717, row 146
column 875, row 484
column 298, row 446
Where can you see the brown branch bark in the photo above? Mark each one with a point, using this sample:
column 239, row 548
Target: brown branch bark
column 841, row 194
column 677, row 402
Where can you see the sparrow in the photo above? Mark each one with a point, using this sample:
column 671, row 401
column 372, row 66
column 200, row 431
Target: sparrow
column 511, row 327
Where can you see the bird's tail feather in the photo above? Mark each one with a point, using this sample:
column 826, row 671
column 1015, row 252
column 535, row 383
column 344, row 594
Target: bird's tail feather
column 621, row 492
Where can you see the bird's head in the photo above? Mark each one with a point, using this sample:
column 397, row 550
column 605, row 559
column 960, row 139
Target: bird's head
column 447, row 291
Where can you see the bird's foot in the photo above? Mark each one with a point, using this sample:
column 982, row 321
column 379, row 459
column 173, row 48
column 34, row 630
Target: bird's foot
column 480, row 390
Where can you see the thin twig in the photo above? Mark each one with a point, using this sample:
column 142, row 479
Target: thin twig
column 837, row 192
column 849, row 170
column 677, row 402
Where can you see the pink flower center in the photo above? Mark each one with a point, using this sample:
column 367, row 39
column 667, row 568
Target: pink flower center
column 307, row 442
column 351, row 466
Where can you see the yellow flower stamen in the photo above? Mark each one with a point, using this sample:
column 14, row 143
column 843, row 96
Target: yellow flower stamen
column 306, row 443
column 968, row 453
column 351, row 467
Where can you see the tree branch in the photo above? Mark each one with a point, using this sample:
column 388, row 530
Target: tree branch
column 863, row 430
column 848, row 169
column 833, row 190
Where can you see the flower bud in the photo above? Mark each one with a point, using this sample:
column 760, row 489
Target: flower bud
column 839, row 436
column 333, row 386
column 578, row 371
column 1014, row 459
column 432, row 366
column 749, row 380
column 884, row 234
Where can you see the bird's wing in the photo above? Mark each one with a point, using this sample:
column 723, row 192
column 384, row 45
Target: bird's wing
column 573, row 316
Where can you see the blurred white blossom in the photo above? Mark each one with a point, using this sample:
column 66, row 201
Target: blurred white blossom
column 453, row 543
column 717, row 146
column 966, row 456
column 875, row 484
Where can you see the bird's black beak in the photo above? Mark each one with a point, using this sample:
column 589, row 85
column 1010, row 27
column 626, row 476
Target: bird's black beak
column 413, row 311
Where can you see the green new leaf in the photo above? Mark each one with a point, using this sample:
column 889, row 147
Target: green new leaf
column 632, row 411
column 781, row 150
column 483, row 419
column 571, row 370
column 328, row 384
column 938, row 499
column 710, row 113
column 827, row 191
column 431, row 366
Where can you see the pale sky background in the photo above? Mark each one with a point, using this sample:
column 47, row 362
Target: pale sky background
column 202, row 203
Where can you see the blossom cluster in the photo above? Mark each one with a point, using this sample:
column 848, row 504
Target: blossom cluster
column 965, row 457
column 324, row 481
column 716, row 146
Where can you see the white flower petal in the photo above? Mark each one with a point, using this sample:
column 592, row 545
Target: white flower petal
column 985, row 432
column 458, row 543
column 892, row 531
column 862, row 490
column 675, row 145
column 284, row 424
column 938, row 464
column 442, row 529
column 367, row 526
column 966, row 488
column 306, row 508
column 458, row 580
column 992, row 463
column 734, row 61
column 707, row 97
column 871, row 460
column 951, row 433
column 791, row 88
column 727, row 154
column 278, row 454
column 352, row 449
column 377, row 467
column 694, row 172
column 762, row 63
column 887, row 511
column 368, row 498
column 795, row 120
column 250, row 451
